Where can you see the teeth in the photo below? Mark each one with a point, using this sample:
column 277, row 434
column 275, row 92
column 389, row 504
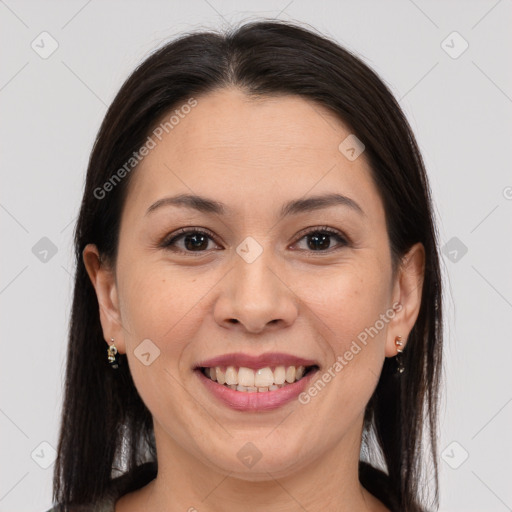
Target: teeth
column 290, row 374
column 221, row 376
column 231, row 375
column 245, row 377
column 263, row 377
column 280, row 375
column 261, row 380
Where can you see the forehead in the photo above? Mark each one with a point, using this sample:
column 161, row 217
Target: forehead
column 247, row 150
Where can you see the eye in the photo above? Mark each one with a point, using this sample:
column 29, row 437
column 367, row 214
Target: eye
column 197, row 240
column 319, row 239
column 194, row 240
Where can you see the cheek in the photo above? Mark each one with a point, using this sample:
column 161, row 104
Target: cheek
column 351, row 299
column 164, row 306
column 158, row 303
column 347, row 310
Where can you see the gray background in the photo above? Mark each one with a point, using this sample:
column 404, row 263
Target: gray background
column 459, row 108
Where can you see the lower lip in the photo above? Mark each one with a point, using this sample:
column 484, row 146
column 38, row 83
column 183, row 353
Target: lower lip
column 256, row 401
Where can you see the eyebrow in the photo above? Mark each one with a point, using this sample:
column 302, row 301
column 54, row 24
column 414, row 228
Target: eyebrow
column 294, row 207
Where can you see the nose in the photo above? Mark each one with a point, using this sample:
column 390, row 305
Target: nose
column 255, row 297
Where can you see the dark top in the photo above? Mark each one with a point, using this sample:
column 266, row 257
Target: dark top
column 373, row 480
column 118, row 487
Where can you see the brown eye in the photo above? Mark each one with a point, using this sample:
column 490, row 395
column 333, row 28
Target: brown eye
column 320, row 239
column 192, row 240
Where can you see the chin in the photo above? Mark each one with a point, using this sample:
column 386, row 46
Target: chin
column 254, row 464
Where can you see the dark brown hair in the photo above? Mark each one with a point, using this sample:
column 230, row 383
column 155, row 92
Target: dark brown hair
column 105, row 424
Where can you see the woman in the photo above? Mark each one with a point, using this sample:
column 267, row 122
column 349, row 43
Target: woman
column 257, row 320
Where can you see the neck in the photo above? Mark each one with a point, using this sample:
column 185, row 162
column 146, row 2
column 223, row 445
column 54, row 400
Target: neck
column 187, row 483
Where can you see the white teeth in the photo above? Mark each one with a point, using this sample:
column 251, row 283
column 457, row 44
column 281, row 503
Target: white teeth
column 231, row 375
column 245, row 377
column 221, row 376
column 290, row 374
column 261, row 380
column 263, row 377
column 250, row 389
column 279, row 375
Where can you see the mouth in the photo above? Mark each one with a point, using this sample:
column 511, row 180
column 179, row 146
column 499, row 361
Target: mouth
column 256, row 373
column 258, row 387
column 260, row 380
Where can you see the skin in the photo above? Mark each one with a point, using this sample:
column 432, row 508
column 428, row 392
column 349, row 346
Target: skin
column 253, row 155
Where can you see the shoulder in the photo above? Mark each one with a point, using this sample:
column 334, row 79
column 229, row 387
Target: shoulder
column 123, row 484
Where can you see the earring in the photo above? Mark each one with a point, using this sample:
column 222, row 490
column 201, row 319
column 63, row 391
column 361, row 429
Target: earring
column 399, row 344
column 113, row 357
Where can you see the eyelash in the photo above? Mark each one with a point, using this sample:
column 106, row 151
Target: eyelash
column 181, row 233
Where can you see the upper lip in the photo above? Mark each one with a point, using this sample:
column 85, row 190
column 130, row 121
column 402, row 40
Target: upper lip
column 255, row 362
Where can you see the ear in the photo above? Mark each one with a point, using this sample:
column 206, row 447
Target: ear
column 407, row 291
column 104, row 282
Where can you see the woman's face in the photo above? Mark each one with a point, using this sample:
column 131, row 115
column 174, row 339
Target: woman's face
column 259, row 279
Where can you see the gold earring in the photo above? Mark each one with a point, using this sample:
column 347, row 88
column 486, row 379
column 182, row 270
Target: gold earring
column 399, row 344
column 112, row 355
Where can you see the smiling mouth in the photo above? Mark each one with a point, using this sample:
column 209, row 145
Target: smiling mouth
column 261, row 380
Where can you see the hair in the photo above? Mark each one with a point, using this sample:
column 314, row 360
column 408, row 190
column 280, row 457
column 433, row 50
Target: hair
column 105, row 425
